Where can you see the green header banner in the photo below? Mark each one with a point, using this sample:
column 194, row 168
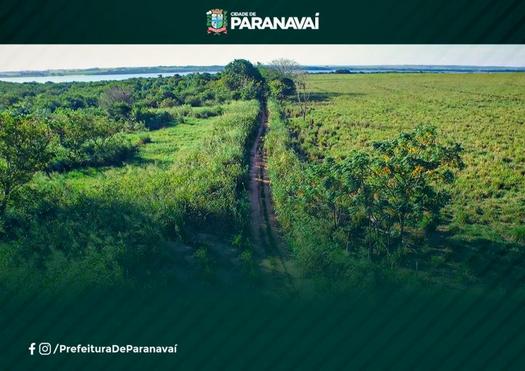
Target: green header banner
column 261, row 22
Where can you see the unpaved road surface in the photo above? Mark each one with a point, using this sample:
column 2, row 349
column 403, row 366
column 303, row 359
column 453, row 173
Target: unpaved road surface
column 268, row 245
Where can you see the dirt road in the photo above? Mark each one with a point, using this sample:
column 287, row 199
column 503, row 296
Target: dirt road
column 267, row 241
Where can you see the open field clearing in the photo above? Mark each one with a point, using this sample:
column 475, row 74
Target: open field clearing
column 484, row 113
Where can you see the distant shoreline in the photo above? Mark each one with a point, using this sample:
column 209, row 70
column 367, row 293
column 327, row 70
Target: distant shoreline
column 315, row 69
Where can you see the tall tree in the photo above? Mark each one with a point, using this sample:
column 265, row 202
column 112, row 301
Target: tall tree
column 243, row 79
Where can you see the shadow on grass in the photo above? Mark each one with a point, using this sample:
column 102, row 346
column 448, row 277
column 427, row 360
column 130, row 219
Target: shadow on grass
column 495, row 263
column 127, row 236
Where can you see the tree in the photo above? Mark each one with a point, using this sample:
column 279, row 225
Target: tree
column 117, row 101
column 339, row 191
column 290, row 69
column 243, row 79
column 282, row 88
column 285, row 68
column 24, row 150
column 241, row 69
column 406, row 172
column 302, row 94
column 372, row 198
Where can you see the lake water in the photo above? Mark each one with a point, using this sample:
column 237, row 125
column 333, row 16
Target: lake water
column 90, row 78
column 107, row 77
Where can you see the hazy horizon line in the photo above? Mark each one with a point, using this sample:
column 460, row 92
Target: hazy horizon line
column 267, row 64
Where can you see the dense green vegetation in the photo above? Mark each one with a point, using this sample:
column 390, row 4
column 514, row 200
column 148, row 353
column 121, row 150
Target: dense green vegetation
column 442, row 201
column 122, row 182
column 117, row 224
column 375, row 179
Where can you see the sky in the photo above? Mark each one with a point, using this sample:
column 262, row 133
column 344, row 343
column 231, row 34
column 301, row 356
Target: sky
column 45, row 57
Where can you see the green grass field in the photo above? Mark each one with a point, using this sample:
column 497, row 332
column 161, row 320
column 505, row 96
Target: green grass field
column 485, row 113
column 162, row 149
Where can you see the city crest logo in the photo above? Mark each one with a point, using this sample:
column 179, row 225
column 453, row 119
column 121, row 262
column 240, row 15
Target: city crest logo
column 217, row 21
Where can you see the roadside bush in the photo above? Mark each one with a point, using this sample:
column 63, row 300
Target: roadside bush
column 83, row 226
column 282, row 88
column 180, row 113
column 193, row 100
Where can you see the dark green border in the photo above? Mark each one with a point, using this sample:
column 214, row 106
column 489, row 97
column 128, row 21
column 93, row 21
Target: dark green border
column 341, row 22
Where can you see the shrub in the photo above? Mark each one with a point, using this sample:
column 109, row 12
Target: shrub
column 150, row 119
column 117, row 101
column 88, row 140
column 24, row 150
column 282, row 88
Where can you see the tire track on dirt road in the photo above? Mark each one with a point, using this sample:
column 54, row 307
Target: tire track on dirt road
column 268, row 244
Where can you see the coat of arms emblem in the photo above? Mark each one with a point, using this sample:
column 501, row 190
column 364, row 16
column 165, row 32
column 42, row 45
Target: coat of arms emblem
column 216, row 21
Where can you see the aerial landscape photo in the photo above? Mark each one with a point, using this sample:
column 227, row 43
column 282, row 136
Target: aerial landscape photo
column 279, row 169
